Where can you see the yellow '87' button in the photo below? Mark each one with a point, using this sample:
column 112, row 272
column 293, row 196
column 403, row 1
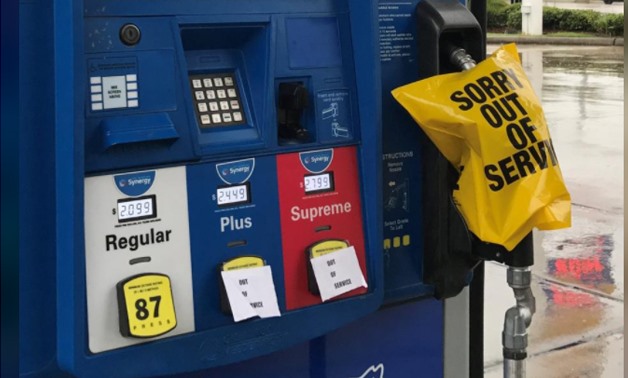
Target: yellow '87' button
column 146, row 306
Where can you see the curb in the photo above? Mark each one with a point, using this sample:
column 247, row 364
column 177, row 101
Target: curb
column 543, row 40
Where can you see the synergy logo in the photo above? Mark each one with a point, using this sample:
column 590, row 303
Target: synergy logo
column 316, row 161
column 236, row 172
column 135, row 184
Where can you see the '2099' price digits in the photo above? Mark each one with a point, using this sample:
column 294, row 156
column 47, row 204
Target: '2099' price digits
column 136, row 208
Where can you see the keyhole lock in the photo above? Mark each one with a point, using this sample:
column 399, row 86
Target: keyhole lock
column 130, row 34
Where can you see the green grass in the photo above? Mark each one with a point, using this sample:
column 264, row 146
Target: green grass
column 569, row 34
column 552, row 34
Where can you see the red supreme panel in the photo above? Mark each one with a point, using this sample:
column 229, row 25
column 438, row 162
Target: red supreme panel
column 319, row 199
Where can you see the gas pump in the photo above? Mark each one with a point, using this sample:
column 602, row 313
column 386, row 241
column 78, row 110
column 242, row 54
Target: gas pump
column 448, row 37
column 212, row 194
column 202, row 183
column 437, row 259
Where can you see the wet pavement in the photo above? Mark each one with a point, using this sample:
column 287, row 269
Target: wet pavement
column 578, row 276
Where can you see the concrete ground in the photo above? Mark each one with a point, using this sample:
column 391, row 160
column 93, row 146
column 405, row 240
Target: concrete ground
column 578, row 276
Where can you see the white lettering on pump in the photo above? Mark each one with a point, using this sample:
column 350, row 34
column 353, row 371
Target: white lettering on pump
column 232, row 223
column 315, row 212
column 244, row 169
column 318, row 159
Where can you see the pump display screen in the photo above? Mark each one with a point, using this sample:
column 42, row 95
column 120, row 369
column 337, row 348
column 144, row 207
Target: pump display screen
column 323, row 182
column 231, row 195
column 130, row 209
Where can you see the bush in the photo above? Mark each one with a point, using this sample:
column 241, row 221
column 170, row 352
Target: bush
column 513, row 18
column 495, row 13
column 610, row 24
column 578, row 21
column 552, row 17
column 504, row 17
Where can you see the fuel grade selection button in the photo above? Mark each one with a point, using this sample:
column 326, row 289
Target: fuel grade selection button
column 248, row 289
column 320, row 248
column 146, row 306
column 237, row 263
column 337, row 272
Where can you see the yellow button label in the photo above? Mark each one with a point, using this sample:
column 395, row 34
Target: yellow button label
column 146, row 306
column 327, row 246
column 243, row 263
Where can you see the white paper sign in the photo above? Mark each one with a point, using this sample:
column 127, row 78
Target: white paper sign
column 337, row 273
column 251, row 292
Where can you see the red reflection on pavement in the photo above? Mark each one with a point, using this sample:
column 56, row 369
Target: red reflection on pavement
column 594, row 269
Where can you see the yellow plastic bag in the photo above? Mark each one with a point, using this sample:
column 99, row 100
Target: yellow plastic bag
column 489, row 124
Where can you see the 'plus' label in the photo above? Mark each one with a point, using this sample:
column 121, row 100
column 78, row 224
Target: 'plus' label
column 232, row 223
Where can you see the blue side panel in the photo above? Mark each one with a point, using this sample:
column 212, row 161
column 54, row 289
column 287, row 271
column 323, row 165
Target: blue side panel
column 37, row 194
column 291, row 362
column 69, row 169
column 403, row 341
column 402, row 170
column 407, row 340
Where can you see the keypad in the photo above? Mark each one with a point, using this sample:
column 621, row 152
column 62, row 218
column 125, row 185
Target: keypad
column 216, row 100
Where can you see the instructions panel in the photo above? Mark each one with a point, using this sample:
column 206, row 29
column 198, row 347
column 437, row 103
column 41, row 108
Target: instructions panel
column 396, row 39
column 334, row 108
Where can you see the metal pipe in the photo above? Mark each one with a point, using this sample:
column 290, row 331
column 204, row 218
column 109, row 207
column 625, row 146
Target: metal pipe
column 516, row 322
column 519, row 279
column 514, row 368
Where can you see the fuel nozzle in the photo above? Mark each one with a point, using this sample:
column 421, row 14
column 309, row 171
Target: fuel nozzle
column 519, row 317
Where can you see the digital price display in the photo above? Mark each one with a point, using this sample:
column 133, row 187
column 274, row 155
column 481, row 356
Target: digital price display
column 130, row 209
column 232, row 195
column 323, row 182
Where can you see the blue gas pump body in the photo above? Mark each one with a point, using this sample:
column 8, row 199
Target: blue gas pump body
column 156, row 149
column 128, row 112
